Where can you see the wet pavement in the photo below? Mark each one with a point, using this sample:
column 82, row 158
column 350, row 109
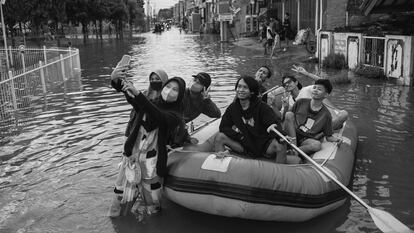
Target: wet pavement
column 57, row 166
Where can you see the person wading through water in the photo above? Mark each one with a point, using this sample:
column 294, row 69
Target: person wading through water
column 145, row 151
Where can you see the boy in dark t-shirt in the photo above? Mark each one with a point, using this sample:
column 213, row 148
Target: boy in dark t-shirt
column 309, row 118
column 310, row 123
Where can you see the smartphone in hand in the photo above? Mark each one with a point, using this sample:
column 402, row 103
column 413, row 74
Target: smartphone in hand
column 126, row 60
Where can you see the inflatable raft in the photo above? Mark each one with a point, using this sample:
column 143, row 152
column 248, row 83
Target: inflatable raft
column 258, row 189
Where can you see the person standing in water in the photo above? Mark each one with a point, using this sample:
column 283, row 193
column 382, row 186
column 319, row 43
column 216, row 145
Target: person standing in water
column 145, row 150
column 287, row 31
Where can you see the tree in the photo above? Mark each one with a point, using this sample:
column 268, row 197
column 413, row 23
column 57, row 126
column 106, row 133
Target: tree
column 164, row 14
column 15, row 12
column 77, row 12
column 56, row 12
column 118, row 14
column 99, row 11
column 44, row 16
column 139, row 19
column 132, row 13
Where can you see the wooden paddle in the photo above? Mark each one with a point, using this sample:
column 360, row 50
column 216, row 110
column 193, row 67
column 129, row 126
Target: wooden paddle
column 383, row 220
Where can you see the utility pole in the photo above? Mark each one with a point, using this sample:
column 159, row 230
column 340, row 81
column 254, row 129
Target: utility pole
column 148, row 16
column 4, row 34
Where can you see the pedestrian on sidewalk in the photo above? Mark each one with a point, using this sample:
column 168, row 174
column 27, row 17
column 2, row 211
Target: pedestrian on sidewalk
column 201, row 29
column 276, row 43
column 286, row 29
column 262, row 32
column 269, row 39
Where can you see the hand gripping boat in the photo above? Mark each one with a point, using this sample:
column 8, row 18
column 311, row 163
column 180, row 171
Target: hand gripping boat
column 257, row 189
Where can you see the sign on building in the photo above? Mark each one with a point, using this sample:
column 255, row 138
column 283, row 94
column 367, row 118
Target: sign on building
column 223, row 7
column 225, row 17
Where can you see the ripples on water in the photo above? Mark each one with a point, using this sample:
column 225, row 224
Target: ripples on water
column 57, row 164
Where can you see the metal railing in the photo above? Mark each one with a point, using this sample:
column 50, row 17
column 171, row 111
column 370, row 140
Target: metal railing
column 41, row 72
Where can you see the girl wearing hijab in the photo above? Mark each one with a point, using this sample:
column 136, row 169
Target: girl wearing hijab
column 145, row 153
column 157, row 79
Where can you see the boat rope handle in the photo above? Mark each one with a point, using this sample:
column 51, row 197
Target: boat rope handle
column 180, row 149
column 336, row 145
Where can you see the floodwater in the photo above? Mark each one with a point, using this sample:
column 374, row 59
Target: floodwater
column 57, row 168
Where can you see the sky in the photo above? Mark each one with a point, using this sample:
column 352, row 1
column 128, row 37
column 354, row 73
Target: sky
column 161, row 4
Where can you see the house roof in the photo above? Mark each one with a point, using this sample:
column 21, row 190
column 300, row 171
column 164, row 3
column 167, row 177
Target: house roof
column 386, row 6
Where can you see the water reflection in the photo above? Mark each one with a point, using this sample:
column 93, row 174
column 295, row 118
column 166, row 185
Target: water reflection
column 57, row 165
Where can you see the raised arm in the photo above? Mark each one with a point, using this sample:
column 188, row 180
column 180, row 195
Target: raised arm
column 140, row 102
column 210, row 109
column 303, row 71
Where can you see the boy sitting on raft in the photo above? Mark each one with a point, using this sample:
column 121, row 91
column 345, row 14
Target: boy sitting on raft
column 340, row 116
column 244, row 125
column 309, row 118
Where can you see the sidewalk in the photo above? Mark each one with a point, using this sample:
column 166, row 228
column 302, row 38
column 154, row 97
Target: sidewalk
column 297, row 53
column 282, row 61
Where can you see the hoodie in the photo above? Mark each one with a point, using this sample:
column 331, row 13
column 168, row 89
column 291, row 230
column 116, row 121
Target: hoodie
column 248, row 127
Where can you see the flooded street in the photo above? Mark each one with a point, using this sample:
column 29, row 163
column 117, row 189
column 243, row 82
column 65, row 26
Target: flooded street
column 57, row 168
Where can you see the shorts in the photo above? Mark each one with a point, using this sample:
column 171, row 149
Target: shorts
column 300, row 139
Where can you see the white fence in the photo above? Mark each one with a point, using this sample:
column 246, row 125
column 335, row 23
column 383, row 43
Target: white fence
column 41, row 72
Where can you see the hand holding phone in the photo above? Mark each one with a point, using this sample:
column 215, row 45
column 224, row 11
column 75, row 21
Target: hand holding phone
column 125, row 61
column 120, row 71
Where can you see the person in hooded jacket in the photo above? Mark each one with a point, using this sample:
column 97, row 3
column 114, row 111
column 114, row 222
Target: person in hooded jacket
column 145, row 150
column 245, row 124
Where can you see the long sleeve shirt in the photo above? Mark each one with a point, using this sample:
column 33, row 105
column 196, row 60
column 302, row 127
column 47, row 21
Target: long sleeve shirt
column 196, row 105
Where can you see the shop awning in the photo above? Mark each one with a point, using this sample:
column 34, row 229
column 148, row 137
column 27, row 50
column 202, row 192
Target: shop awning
column 386, row 6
